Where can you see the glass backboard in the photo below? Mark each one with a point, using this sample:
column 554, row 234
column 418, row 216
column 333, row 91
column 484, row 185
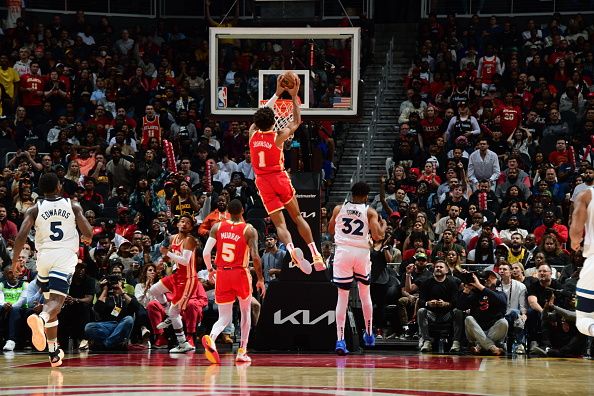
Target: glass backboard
column 245, row 62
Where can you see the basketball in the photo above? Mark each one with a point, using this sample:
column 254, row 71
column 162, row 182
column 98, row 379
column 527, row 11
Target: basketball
column 288, row 79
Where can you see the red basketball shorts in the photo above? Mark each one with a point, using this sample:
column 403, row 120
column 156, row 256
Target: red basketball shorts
column 276, row 190
column 231, row 284
column 182, row 288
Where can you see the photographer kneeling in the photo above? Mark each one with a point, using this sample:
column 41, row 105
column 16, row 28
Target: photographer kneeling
column 114, row 309
column 485, row 326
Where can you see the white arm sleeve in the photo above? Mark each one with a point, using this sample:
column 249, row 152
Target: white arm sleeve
column 184, row 259
column 206, row 253
column 271, row 102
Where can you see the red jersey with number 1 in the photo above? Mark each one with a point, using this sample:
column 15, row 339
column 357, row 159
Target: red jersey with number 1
column 150, row 129
column 36, row 83
column 232, row 248
column 266, row 156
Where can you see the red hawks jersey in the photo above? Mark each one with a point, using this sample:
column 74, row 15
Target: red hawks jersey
column 431, row 130
column 510, row 118
column 489, row 69
column 177, row 247
column 36, row 83
column 232, row 248
column 150, row 129
column 265, row 154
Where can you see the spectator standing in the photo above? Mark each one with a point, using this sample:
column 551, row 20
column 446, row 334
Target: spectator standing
column 125, row 45
column 9, row 79
column 219, row 214
column 483, row 164
column 56, row 93
column 8, row 229
column 119, row 169
column 31, row 87
column 245, row 166
column 150, row 127
column 272, row 259
column 551, row 226
column 488, row 66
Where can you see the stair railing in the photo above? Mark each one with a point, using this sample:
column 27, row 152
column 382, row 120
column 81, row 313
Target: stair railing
column 368, row 144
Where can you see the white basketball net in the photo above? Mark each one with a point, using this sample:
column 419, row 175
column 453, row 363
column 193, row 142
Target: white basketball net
column 283, row 113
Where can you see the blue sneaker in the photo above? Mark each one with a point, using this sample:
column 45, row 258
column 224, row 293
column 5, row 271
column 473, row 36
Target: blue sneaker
column 369, row 340
column 341, row 348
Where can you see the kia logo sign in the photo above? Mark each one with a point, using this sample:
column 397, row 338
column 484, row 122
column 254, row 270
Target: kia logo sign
column 306, row 215
column 302, row 317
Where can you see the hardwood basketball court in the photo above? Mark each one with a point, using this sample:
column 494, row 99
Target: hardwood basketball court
column 293, row 374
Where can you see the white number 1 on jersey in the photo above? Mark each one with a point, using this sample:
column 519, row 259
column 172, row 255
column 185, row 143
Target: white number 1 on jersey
column 261, row 159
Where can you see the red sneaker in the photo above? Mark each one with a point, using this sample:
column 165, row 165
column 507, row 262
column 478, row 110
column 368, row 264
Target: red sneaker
column 161, row 342
column 190, row 339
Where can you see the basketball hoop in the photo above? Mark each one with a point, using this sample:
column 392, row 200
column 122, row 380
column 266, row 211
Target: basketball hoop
column 283, row 112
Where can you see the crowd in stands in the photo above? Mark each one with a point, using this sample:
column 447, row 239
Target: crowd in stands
column 494, row 143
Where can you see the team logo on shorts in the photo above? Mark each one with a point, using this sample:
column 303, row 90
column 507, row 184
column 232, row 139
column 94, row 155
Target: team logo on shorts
column 69, row 279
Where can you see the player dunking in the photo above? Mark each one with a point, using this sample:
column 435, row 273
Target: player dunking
column 351, row 224
column 183, row 282
column 237, row 241
column 583, row 218
column 274, row 184
column 57, row 241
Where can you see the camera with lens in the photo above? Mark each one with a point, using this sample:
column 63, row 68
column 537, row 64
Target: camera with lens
column 467, row 278
column 558, row 293
column 113, row 280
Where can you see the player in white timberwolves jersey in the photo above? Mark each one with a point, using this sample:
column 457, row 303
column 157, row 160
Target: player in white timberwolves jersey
column 351, row 224
column 583, row 219
column 57, row 241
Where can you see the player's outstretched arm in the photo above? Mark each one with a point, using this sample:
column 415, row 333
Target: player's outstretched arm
column 332, row 222
column 377, row 225
column 279, row 91
column 21, row 238
column 579, row 218
column 82, row 223
column 252, row 241
column 289, row 130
